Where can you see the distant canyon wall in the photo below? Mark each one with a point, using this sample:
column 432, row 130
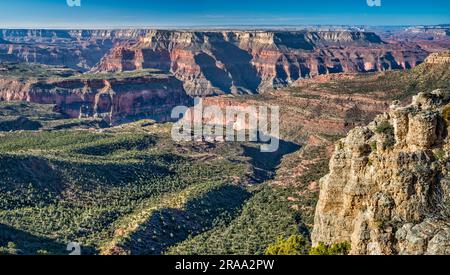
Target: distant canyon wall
column 111, row 99
column 213, row 62
column 245, row 62
column 76, row 49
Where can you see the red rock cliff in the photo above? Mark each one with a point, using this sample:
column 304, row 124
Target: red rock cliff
column 113, row 98
column 239, row 62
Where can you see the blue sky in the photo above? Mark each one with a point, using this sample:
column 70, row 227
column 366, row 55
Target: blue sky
column 158, row 13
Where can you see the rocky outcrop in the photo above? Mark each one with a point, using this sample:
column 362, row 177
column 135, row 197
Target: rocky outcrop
column 388, row 190
column 114, row 98
column 438, row 58
column 241, row 62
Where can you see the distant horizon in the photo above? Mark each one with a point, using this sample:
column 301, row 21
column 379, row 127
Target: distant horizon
column 218, row 27
column 119, row 14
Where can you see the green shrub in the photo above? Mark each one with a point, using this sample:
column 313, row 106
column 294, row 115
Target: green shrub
column 335, row 249
column 385, row 128
column 439, row 154
column 294, row 245
column 9, row 249
column 373, row 145
column 42, row 252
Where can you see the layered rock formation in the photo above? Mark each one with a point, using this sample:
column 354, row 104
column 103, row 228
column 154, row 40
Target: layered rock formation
column 388, row 190
column 214, row 62
column 435, row 31
column 112, row 97
column 77, row 49
column 316, row 112
column 438, row 58
column 429, row 38
column 217, row 62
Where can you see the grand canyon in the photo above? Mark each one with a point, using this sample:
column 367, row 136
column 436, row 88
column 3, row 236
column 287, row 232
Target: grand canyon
column 86, row 153
column 205, row 63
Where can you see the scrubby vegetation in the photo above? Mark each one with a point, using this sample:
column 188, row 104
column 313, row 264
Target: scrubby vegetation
column 35, row 71
column 9, row 249
column 30, row 110
column 298, row 245
column 393, row 85
column 15, row 116
column 78, row 185
column 334, row 249
column 122, row 75
column 294, row 245
column 264, row 217
column 131, row 189
column 386, row 130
